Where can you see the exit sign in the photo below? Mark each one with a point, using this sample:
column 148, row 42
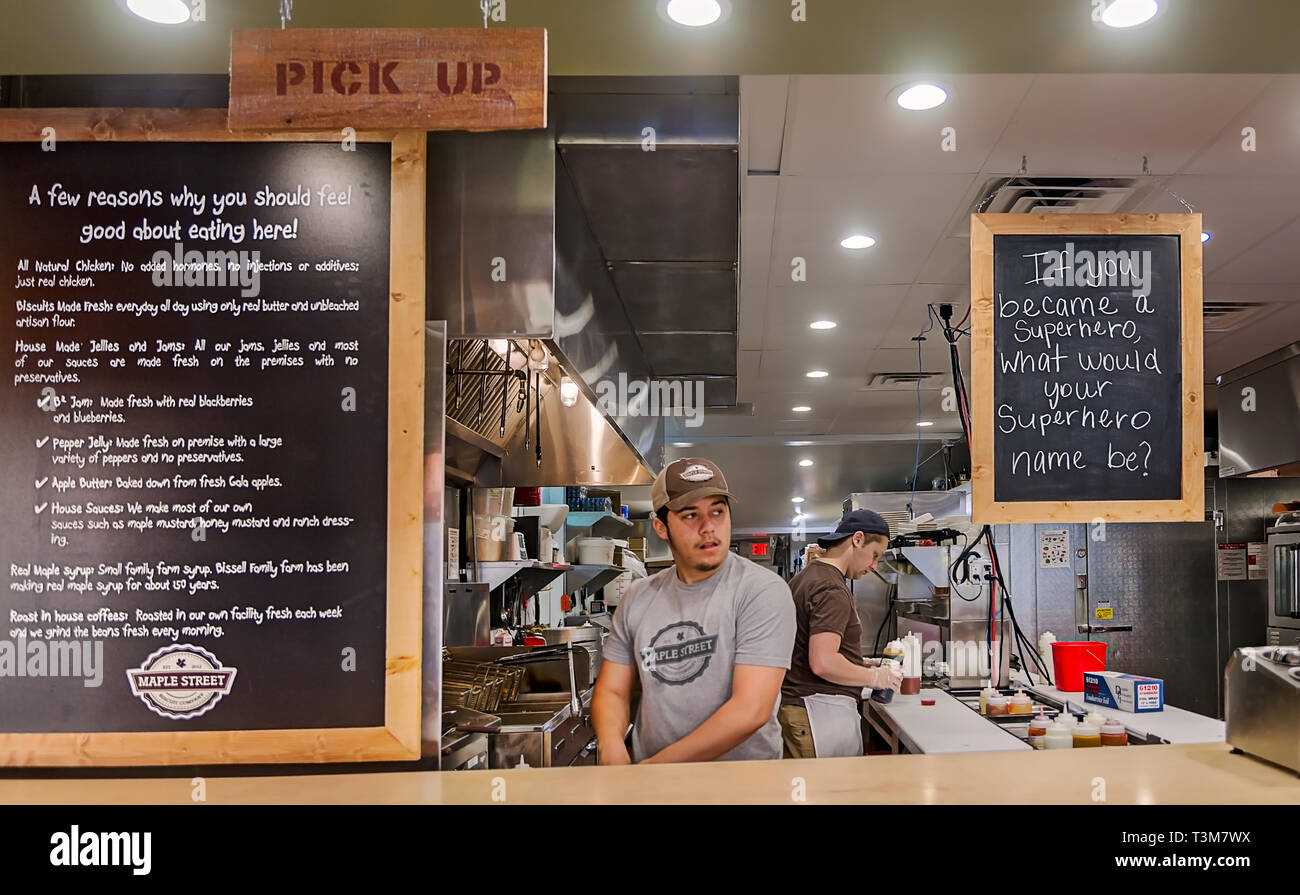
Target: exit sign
column 758, row 549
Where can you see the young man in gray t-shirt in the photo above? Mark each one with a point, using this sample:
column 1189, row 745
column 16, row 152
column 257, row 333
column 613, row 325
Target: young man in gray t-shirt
column 710, row 639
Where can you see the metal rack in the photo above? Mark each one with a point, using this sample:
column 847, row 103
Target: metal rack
column 481, row 686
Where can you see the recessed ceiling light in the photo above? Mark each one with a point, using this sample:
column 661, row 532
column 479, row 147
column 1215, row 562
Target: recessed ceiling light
column 817, row 374
column 796, row 500
column 858, row 241
column 164, row 12
column 798, row 443
column 802, row 408
column 924, row 423
column 920, row 97
column 694, row 13
column 1127, row 13
column 822, row 324
column 1205, row 236
column 805, row 463
column 683, row 444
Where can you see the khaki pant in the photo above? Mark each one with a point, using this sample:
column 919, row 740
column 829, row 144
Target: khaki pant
column 796, row 734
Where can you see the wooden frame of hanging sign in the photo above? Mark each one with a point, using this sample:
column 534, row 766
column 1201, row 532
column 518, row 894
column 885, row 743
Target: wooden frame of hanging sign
column 1086, row 368
column 430, row 79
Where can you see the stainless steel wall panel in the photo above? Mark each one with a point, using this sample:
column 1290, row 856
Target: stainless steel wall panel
column 674, row 355
column 678, row 297
column 491, row 204
column 674, row 204
column 1266, row 431
column 1160, row 579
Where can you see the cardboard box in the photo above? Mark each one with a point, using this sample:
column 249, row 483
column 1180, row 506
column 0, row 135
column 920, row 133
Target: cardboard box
column 1126, row 692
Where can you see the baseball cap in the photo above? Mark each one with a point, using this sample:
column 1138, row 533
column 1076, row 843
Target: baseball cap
column 866, row 521
column 686, row 480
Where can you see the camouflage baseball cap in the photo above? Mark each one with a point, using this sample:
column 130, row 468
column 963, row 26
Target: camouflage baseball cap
column 686, row 480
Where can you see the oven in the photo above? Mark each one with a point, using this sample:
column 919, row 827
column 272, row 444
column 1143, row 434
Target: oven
column 1284, row 583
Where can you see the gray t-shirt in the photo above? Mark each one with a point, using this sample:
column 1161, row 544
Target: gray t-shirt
column 686, row 639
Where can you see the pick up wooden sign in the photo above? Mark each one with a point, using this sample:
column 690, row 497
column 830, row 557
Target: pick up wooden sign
column 471, row 79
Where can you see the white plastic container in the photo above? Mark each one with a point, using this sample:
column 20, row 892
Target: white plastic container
column 596, row 551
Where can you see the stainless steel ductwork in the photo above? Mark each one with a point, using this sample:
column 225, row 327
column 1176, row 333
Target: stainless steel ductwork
column 1259, row 415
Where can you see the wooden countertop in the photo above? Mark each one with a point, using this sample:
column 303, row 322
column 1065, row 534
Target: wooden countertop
column 1203, row 773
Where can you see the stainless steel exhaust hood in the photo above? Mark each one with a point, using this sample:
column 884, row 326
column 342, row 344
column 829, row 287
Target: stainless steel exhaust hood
column 1259, row 415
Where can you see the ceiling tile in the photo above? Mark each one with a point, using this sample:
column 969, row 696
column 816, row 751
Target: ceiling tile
column 905, row 215
column 854, row 126
column 1104, row 124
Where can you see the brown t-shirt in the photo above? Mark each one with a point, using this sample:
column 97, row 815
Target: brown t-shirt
column 823, row 604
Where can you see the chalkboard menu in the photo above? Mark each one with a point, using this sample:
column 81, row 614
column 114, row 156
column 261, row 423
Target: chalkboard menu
column 1081, row 376
column 194, row 442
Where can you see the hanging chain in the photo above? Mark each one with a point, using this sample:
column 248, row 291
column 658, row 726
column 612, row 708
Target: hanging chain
column 1146, row 171
column 1010, row 184
column 286, row 13
column 485, row 6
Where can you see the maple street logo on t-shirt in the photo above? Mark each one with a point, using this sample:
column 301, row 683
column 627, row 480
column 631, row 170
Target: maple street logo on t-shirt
column 679, row 653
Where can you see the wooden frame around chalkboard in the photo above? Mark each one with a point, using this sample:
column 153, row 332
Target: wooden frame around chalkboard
column 399, row 738
column 1190, row 507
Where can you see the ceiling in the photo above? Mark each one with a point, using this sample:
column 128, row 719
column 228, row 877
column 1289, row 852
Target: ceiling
column 630, row 37
column 828, row 155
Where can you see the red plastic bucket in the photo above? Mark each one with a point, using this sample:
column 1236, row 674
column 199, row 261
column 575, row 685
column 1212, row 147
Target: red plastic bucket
column 1071, row 658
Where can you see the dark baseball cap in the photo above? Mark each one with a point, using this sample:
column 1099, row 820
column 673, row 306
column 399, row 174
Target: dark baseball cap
column 866, row 521
column 686, row 480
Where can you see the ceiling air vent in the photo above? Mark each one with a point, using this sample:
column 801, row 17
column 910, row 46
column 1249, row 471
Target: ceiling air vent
column 892, row 382
column 1226, row 316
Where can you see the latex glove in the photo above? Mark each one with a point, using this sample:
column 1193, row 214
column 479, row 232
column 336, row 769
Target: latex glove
column 885, row 677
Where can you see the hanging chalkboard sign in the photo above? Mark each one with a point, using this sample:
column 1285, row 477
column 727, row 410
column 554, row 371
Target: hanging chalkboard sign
column 1086, row 368
column 212, row 442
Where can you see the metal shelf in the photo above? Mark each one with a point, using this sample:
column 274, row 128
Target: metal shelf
column 603, row 525
column 533, row 575
column 591, row 577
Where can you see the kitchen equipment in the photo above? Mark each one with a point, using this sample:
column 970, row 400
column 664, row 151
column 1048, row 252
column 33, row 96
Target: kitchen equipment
column 1045, row 708
column 539, row 727
column 481, row 686
column 1262, row 703
column 1284, row 580
column 464, row 740
column 588, row 637
column 1071, row 658
column 465, row 614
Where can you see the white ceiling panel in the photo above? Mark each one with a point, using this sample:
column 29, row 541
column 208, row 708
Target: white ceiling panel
column 1104, row 124
column 860, row 314
column 1255, row 339
column 1240, row 212
column 1274, row 260
column 758, row 198
column 854, row 126
column 905, row 215
column 763, row 121
column 949, row 263
column 1275, row 118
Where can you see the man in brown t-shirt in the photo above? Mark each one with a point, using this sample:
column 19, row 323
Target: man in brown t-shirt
column 821, row 695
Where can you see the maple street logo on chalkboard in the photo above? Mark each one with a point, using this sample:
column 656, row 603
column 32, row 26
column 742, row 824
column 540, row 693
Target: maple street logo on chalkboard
column 181, row 681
